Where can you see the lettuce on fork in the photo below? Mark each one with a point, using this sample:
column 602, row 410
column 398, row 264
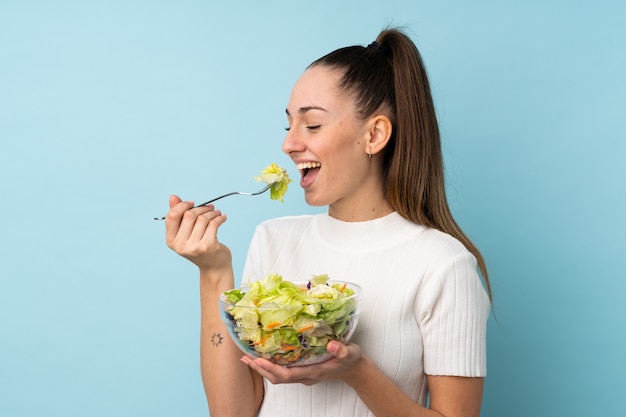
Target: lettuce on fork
column 278, row 178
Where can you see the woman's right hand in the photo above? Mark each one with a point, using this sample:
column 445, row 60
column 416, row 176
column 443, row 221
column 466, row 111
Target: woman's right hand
column 192, row 233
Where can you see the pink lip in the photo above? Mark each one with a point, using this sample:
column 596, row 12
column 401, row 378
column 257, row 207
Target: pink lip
column 309, row 176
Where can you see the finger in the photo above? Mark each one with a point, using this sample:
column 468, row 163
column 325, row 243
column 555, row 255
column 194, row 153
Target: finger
column 210, row 233
column 189, row 220
column 174, row 217
column 174, row 199
column 344, row 353
column 205, row 228
column 256, row 366
column 177, row 207
column 276, row 374
column 338, row 350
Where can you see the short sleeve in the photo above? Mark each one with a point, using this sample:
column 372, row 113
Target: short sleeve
column 452, row 310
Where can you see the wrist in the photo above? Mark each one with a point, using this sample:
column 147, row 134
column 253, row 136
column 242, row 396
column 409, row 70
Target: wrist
column 359, row 372
column 216, row 279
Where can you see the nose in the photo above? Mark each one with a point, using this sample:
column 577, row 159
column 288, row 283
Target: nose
column 292, row 143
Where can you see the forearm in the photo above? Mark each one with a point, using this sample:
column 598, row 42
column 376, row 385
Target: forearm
column 381, row 395
column 232, row 389
column 450, row 396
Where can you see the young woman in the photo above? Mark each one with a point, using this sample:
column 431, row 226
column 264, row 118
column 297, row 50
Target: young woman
column 363, row 134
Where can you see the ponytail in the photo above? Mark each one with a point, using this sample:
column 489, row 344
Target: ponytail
column 389, row 77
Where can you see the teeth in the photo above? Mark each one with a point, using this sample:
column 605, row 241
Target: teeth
column 308, row 165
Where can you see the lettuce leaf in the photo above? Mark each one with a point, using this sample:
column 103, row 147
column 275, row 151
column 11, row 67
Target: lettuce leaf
column 280, row 319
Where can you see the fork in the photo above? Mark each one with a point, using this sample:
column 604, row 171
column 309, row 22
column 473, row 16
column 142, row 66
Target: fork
column 226, row 195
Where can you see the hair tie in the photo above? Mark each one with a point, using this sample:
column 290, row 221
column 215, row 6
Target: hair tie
column 378, row 47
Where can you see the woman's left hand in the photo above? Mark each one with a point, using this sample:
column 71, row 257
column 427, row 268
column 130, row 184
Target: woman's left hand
column 341, row 367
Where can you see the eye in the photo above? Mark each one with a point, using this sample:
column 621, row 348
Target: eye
column 288, row 128
column 314, row 127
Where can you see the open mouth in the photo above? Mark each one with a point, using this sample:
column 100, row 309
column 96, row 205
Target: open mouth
column 309, row 171
column 305, row 167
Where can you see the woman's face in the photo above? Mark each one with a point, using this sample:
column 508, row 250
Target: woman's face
column 328, row 142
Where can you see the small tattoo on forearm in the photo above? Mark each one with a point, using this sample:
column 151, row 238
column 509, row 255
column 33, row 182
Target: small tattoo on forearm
column 216, row 339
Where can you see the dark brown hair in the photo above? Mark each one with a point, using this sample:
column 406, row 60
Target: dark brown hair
column 389, row 77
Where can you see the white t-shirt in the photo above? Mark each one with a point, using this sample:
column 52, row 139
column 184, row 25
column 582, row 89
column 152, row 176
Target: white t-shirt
column 424, row 308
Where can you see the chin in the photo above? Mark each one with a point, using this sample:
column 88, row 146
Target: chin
column 314, row 202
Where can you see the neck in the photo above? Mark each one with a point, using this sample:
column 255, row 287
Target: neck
column 366, row 203
column 363, row 211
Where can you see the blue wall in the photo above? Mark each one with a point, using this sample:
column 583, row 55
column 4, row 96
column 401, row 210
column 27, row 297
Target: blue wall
column 108, row 107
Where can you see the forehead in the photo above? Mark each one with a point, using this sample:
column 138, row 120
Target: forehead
column 318, row 86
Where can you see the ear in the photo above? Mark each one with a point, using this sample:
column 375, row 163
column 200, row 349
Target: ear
column 380, row 129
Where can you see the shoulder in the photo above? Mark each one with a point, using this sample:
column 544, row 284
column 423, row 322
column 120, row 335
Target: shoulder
column 451, row 267
column 284, row 227
column 438, row 247
column 287, row 222
column 302, row 218
column 444, row 243
column 452, row 278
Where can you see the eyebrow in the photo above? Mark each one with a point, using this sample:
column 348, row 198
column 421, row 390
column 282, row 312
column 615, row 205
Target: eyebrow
column 305, row 109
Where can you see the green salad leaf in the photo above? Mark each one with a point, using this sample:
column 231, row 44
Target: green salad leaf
column 277, row 177
column 288, row 322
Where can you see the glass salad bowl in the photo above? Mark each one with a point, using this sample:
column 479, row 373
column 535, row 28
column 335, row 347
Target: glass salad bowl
column 290, row 322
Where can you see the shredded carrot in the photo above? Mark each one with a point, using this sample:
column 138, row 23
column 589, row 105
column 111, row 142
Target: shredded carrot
column 305, row 328
column 288, row 348
column 296, row 356
column 273, row 324
column 343, row 288
column 263, row 339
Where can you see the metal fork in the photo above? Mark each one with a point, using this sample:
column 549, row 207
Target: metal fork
column 226, row 195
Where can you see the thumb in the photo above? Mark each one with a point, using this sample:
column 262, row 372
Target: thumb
column 174, row 199
column 338, row 350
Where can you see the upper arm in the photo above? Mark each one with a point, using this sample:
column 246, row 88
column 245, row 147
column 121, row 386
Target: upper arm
column 455, row 396
column 259, row 388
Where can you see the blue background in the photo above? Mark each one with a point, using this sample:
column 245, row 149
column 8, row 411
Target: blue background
column 106, row 108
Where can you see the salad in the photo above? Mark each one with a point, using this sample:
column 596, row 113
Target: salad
column 290, row 323
column 277, row 177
